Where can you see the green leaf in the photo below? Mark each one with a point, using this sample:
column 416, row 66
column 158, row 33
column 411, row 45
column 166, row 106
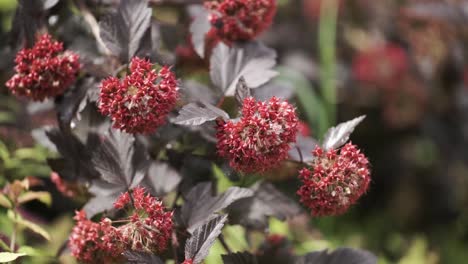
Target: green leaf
column 29, row 225
column 4, row 153
column 34, row 252
column 8, row 256
column 4, row 201
column 44, row 197
column 4, row 246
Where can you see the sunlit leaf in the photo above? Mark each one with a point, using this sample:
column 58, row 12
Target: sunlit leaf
column 29, row 225
column 8, row 256
column 44, row 197
column 339, row 135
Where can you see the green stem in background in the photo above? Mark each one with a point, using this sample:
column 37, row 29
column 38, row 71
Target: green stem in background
column 14, row 232
column 327, row 50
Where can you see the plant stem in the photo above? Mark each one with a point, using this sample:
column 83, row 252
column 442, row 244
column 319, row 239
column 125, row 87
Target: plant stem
column 327, row 45
column 14, row 232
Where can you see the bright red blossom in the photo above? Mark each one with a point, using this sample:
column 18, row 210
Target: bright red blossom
column 335, row 180
column 44, row 70
column 95, row 242
column 150, row 226
column 261, row 139
column 140, row 102
column 237, row 20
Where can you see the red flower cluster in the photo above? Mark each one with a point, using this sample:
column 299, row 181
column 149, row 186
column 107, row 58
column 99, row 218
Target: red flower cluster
column 62, row 186
column 95, row 242
column 148, row 229
column 150, row 226
column 141, row 101
column 44, row 70
column 261, row 139
column 336, row 180
column 237, row 20
column 188, row 261
column 381, row 66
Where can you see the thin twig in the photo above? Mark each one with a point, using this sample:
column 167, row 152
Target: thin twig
column 301, row 158
column 93, row 24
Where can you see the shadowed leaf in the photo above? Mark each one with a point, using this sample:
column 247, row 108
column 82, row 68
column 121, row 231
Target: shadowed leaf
column 198, row 28
column 252, row 60
column 242, row 91
column 195, row 114
column 253, row 212
column 200, row 203
column 198, row 245
column 135, row 257
column 123, row 31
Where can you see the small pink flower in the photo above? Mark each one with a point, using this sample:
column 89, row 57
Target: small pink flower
column 140, row 102
column 43, row 71
column 261, row 139
column 335, row 180
column 237, row 20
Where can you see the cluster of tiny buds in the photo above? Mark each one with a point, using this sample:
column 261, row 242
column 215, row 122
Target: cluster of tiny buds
column 261, row 138
column 140, row 102
column 44, row 70
column 147, row 229
column 335, row 180
column 240, row 20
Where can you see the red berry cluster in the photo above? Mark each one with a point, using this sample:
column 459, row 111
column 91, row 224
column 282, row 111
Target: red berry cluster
column 261, row 139
column 140, row 102
column 43, row 71
column 237, row 20
column 150, row 226
column 148, row 229
column 92, row 242
column 382, row 66
column 335, row 181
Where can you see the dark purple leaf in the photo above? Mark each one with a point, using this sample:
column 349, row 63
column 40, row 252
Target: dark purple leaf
column 200, row 203
column 304, row 145
column 29, row 18
column 199, row 28
column 195, row 114
column 198, row 245
column 120, row 159
column 195, row 91
column 242, row 91
column 253, row 212
column 75, row 100
column 161, row 179
column 76, row 156
column 239, row 258
column 123, row 31
column 135, row 257
column 252, row 60
column 339, row 256
column 279, row 89
column 339, row 135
